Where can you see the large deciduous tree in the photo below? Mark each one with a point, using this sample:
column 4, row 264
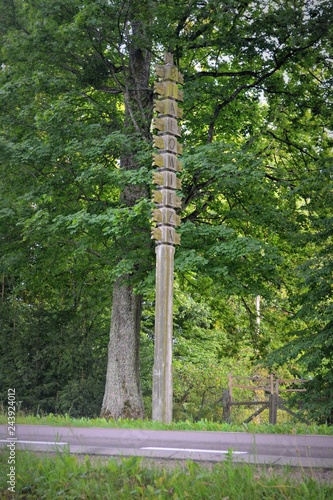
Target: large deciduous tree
column 80, row 124
column 122, row 397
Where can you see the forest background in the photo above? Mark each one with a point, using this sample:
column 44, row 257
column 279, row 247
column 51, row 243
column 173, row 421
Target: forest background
column 76, row 93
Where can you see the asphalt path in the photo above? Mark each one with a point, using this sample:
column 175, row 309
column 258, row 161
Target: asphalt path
column 274, row 449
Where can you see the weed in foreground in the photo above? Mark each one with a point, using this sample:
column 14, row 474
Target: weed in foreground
column 64, row 476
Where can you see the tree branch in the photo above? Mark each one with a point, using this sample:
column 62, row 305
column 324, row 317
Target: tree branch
column 290, row 143
column 265, row 76
column 217, row 74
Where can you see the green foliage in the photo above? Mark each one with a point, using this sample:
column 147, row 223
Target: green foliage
column 311, row 346
column 54, row 341
column 65, row 476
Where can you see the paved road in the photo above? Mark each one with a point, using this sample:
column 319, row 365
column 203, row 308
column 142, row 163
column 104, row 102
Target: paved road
column 298, row 450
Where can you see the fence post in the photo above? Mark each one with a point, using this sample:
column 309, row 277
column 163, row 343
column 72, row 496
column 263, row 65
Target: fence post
column 273, row 406
column 226, row 406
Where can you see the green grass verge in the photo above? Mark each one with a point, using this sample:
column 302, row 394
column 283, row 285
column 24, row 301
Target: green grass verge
column 64, row 476
column 202, row 425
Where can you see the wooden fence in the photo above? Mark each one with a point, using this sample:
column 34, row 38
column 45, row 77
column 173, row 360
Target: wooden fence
column 272, row 388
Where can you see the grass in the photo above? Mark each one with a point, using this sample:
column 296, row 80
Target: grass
column 202, row 425
column 64, row 476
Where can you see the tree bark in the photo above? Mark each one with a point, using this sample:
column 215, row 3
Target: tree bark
column 122, row 397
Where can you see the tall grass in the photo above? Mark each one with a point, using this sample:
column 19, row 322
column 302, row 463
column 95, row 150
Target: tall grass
column 65, row 476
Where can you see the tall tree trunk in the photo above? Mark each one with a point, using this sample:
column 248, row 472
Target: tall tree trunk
column 122, row 397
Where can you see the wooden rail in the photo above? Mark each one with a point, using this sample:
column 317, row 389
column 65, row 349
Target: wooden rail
column 271, row 386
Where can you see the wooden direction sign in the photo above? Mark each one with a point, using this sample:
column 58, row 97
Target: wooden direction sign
column 168, row 143
column 166, row 235
column 168, row 161
column 169, row 72
column 167, row 179
column 168, row 89
column 167, row 198
column 168, row 107
column 168, row 125
column 166, row 216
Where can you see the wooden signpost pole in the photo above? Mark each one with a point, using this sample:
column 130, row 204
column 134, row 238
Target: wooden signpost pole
column 164, row 233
